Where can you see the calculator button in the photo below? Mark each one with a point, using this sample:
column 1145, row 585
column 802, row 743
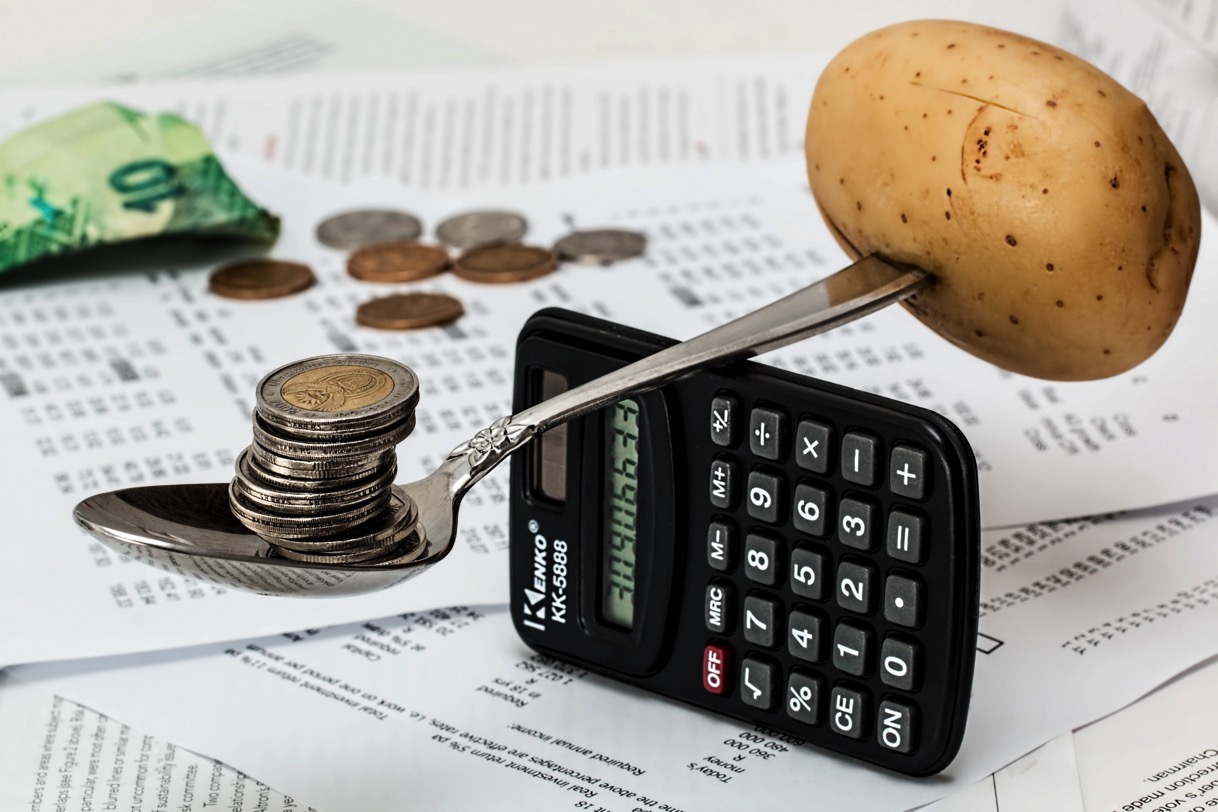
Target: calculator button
column 848, row 712
column 907, row 472
column 852, row 647
column 721, row 546
column 806, row 636
column 724, row 423
column 907, row 537
column 894, row 726
column 761, row 623
column 812, row 446
column 855, row 583
column 758, row 683
column 899, row 663
column 765, row 496
column 803, row 697
column 903, row 600
column 807, row 573
column 856, row 523
column 716, row 660
column 724, row 475
column 860, row 453
column 810, row 506
column 761, row 559
column 719, row 607
column 767, row 433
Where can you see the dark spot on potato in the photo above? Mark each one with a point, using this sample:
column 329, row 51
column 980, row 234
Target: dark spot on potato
column 1107, row 351
column 933, row 158
column 1099, row 297
column 1058, row 57
column 918, row 75
column 1102, row 93
column 906, row 128
column 1143, row 210
column 1120, row 267
column 858, row 204
column 1002, row 45
column 964, row 81
column 949, row 111
column 847, row 69
column 1049, row 267
column 1014, row 319
column 1050, row 103
column 1060, row 303
column 1097, row 143
column 841, row 181
column 1115, row 183
column 979, row 334
column 1036, row 53
column 1044, row 191
column 904, row 219
column 981, row 296
column 881, row 98
column 951, row 45
column 949, row 192
column 1011, row 241
column 947, row 214
column 986, row 131
column 924, row 115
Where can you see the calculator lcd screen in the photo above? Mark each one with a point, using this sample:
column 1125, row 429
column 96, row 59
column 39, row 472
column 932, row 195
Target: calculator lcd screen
column 620, row 530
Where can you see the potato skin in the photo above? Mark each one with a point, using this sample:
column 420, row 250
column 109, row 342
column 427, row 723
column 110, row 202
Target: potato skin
column 1058, row 219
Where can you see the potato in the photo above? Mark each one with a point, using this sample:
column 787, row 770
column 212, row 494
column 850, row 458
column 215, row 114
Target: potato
column 1058, row 219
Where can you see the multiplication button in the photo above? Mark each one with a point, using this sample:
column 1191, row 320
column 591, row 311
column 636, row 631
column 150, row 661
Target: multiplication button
column 812, row 446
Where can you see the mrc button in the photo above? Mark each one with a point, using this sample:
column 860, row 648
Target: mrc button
column 715, row 663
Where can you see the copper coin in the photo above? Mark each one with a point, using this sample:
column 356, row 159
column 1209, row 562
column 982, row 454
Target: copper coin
column 505, row 263
column 260, row 279
column 409, row 311
column 401, row 261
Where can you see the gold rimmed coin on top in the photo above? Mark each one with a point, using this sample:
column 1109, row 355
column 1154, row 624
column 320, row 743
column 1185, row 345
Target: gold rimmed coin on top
column 399, row 261
column 260, row 279
column 505, row 263
column 409, row 311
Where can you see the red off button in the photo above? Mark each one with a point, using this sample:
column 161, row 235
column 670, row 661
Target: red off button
column 715, row 668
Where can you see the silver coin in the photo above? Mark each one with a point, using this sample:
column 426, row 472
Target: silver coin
column 603, row 246
column 273, row 526
column 355, row 229
column 410, row 549
column 269, row 438
column 341, row 393
column 382, row 531
column 293, row 501
column 477, row 228
column 251, row 467
column 326, row 469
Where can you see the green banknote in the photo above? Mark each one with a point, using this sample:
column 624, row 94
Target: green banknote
column 105, row 174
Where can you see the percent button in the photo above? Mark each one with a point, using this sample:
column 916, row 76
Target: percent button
column 803, row 697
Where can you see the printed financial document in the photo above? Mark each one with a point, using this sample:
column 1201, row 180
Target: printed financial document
column 126, row 379
column 1078, row 619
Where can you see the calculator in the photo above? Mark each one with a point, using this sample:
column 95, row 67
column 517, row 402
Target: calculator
column 756, row 543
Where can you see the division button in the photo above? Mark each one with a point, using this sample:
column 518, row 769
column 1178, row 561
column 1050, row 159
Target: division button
column 907, row 472
column 852, row 649
column 761, row 558
column 761, row 623
column 806, row 637
column 812, row 446
column 848, row 712
column 903, row 600
column 767, row 433
column 906, row 537
column 855, row 584
column 758, row 683
column 723, row 482
column 894, row 726
column 807, row 573
column 724, row 424
column 899, row 664
column 860, row 453
column 719, row 607
column 811, row 504
column 721, row 546
column 803, row 697
column 856, row 523
column 764, row 494
column 716, row 660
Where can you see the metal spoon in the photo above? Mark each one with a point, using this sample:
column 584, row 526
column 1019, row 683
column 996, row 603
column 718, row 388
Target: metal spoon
column 188, row 530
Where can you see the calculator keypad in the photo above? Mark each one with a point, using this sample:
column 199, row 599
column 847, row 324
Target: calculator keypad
column 836, row 521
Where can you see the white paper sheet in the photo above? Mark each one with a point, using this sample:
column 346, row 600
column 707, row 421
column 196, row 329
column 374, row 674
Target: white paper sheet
column 1078, row 620
column 120, row 379
column 58, row 755
column 1045, row 779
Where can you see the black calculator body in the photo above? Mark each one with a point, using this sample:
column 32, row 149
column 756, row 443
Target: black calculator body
column 756, row 543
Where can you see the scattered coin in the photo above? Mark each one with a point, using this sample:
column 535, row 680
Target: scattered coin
column 478, row 228
column 260, row 279
column 603, row 246
column 401, row 261
column 505, row 263
column 355, row 229
column 409, row 311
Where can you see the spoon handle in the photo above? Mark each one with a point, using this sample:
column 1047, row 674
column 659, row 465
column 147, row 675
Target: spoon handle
column 853, row 292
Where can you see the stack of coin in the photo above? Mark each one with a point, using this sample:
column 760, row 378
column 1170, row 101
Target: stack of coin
column 317, row 482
